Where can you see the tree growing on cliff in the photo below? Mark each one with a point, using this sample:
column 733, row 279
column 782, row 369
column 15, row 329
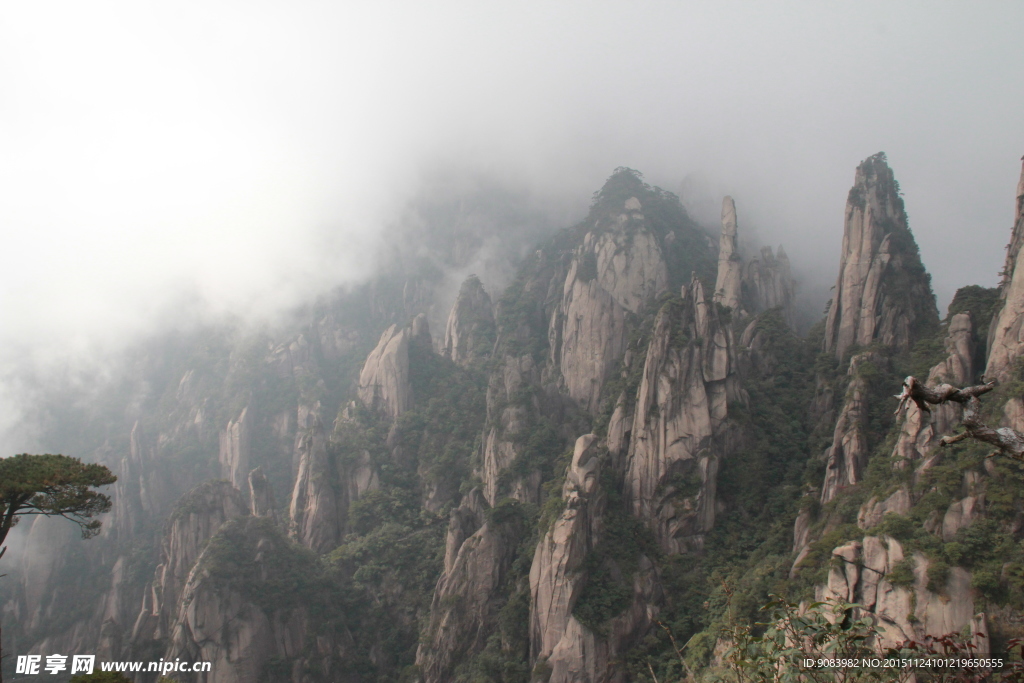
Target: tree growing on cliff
column 53, row 486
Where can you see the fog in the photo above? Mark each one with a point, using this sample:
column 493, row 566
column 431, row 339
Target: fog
column 163, row 163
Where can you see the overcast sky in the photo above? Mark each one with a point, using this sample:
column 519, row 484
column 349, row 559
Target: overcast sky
column 157, row 159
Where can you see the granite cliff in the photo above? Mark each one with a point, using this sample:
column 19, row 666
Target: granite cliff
column 626, row 449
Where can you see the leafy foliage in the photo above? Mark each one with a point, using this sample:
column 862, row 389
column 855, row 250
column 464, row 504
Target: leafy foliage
column 52, row 485
column 609, row 568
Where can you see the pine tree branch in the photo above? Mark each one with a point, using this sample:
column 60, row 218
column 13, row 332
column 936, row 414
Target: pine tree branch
column 1008, row 441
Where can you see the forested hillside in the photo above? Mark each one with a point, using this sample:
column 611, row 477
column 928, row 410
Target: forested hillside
column 623, row 450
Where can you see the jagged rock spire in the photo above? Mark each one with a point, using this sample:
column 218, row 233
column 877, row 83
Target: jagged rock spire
column 883, row 293
column 727, row 285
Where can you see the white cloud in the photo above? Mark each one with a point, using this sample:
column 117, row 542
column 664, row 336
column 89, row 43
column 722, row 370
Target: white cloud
column 208, row 151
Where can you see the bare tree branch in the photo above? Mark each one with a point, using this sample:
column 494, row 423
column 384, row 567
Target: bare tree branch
column 1007, row 441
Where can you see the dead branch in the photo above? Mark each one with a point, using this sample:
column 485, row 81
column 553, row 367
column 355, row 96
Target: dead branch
column 1008, row 441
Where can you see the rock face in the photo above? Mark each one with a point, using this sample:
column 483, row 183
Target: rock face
column 874, row 511
column 1006, row 337
column 567, row 648
column 470, row 330
column 316, row 512
column 847, row 457
column 617, row 270
column 235, row 451
column 384, row 380
column 554, row 575
column 768, row 283
column 138, row 492
column 883, row 293
column 860, row 574
column 261, row 497
column 681, row 405
column 920, row 432
column 728, row 283
column 239, row 633
column 197, row 518
column 478, row 555
column 508, row 420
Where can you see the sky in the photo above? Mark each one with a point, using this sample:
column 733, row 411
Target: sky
column 161, row 162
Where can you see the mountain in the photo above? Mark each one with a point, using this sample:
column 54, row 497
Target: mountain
column 621, row 449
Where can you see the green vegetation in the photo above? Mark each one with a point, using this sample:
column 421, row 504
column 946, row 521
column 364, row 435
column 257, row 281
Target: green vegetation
column 55, row 486
column 747, row 554
column 610, row 567
column 369, row 598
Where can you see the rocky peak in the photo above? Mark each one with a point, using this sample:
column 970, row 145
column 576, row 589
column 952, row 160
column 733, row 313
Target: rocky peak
column 421, row 332
column 618, row 269
column 470, row 330
column 727, row 285
column 1006, row 338
column 384, row 381
column 218, row 621
column 883, row 293
column 763, row 283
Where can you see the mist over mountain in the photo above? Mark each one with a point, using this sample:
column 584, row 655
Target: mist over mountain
column 455, row 343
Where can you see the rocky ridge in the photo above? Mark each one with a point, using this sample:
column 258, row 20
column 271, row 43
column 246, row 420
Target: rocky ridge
column 554, row 561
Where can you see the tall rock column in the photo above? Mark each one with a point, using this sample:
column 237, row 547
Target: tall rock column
column 882, row 293
column 1006, row 337
column 235, row 451
column 730, row 265
column 763, row 283
column 883, row 296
